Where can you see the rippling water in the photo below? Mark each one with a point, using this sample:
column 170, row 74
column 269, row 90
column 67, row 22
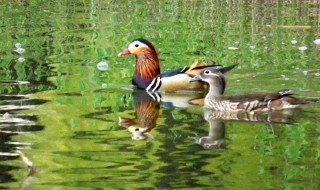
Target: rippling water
column 83, row 128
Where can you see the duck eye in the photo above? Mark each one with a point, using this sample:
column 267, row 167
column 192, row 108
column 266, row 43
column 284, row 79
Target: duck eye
column 137, row 45
column 206, row 72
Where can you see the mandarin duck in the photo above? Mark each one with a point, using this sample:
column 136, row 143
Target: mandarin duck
column 147, row 73
column 216, row 100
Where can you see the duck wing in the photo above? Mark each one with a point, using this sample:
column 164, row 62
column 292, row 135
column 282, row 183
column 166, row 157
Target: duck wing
column 196, row 70
column 283, row 99
column 179, row 80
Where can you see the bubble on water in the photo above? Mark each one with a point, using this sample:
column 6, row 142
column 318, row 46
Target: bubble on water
column 233, row 48
column 18, row 45
column 20, row 50
column 294, row 42
column 305, row 72
column 104, row 86
column 21, row 59
column 317, row 74
column 283, row 76
column 303, row 48
column 237, row 42
column 103, row 66
column 252, row 47
column 264, row 37
column 317, row 42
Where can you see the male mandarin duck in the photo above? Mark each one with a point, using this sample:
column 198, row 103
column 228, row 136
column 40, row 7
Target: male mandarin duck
column 216, row 100
column 147, row 73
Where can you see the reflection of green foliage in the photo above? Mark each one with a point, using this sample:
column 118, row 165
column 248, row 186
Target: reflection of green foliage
column 82, row 146
column 30, row 71
column 179, row 117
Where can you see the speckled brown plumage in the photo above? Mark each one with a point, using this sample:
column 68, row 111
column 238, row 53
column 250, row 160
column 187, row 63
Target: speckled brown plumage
column 216, row 100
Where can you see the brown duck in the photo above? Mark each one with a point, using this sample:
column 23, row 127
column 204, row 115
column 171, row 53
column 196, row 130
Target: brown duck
column 216, row 100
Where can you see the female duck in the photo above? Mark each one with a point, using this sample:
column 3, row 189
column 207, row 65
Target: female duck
column 249, row 102
column 147, row 73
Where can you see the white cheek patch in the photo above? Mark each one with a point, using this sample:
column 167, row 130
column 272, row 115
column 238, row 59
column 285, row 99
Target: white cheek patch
column 206, row 76
column 135, row 45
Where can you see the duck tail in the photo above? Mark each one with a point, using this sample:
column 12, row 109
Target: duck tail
column 301, row 101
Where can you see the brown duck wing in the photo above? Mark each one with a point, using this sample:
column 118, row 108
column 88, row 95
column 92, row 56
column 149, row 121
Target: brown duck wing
column 271, row 101
column 253, row 105
column 265, row 97
column 287, row 102
column 247, row 97
column 285, row 99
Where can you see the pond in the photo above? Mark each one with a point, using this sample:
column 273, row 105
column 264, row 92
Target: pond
column 60, row 112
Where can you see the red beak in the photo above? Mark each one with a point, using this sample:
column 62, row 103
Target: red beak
column 124, row 53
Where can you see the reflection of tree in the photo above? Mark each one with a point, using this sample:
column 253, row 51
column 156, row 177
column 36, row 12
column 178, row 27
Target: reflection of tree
column 12, row 125
column 34, row 75
column 17, row 82
column 32, row 170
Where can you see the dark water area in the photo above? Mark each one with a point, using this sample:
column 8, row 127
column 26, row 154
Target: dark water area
column 17, row 85
column 67, row 122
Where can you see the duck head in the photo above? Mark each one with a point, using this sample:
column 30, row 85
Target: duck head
column 138, row 47
column 147, row 63
column 215, row 78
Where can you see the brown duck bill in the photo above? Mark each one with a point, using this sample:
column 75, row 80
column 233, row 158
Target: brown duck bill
column 124, row 53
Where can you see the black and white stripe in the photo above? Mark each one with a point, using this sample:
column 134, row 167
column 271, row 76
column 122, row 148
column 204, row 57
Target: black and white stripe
column 154, row 85
column 155, row 96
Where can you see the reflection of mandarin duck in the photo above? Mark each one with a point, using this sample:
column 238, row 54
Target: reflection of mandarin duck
column 216, row 120
column 216, row 132
column 147, row 112
column 276, row 117
column 250, row 102
column 147, row 73
column 138, row 132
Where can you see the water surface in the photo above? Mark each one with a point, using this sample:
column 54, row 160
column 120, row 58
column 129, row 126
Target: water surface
column 63, row 113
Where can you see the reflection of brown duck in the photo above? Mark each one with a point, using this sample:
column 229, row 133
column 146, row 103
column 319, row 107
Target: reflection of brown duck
column 216, row 120
column 147, row 112
column 216, row 133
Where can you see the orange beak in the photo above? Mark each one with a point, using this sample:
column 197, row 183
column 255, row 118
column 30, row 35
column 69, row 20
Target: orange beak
column 124, row 53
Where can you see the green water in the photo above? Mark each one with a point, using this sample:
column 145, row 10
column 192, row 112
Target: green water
column 64, row 112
